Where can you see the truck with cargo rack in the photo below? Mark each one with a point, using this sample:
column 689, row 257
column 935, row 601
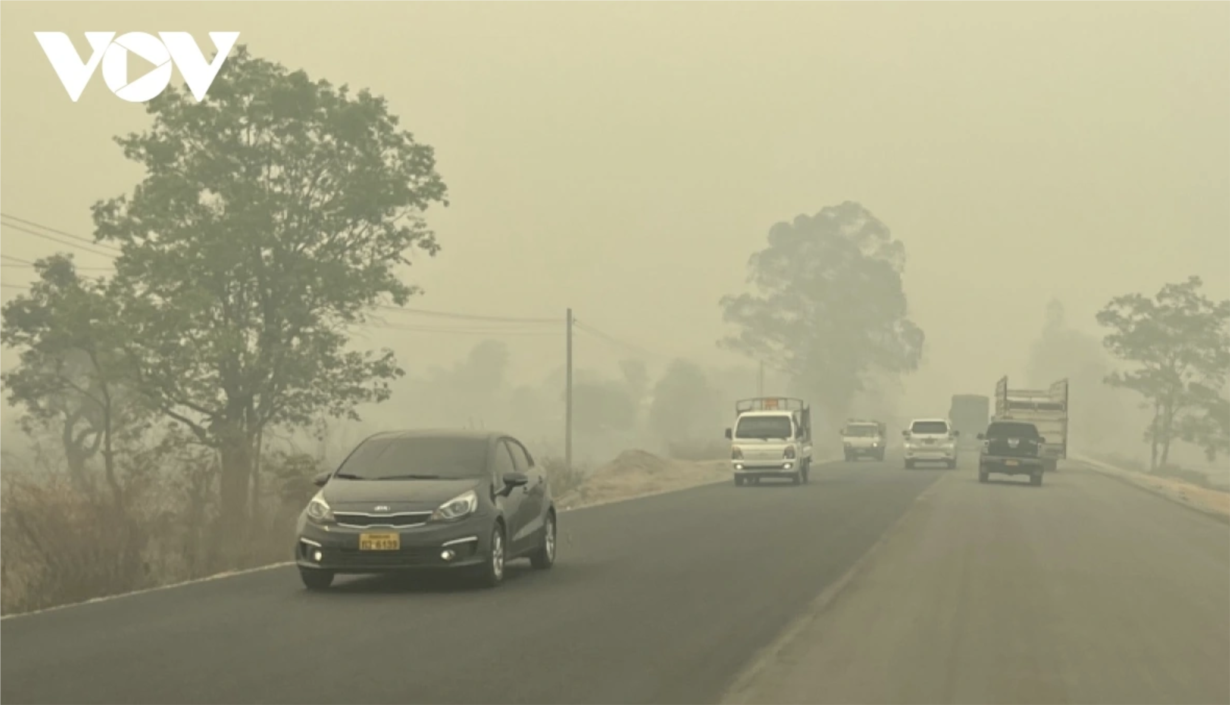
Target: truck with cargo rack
column 1046, row 409
column 771, row 438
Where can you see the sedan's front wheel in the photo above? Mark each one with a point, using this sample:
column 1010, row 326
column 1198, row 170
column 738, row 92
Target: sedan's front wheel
column 544, row 557
column 492, row 572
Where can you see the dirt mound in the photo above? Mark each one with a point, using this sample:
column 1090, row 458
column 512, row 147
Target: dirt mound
column 638, row 473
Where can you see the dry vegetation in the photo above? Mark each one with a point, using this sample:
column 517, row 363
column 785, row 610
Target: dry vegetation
column 61, row 542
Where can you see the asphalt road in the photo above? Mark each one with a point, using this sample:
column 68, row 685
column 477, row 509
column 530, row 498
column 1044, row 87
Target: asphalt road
column 659, row 600
column 1085, row 590
column 1081, row 590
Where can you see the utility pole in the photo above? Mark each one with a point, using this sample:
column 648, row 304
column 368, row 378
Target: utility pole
column 760, row 382
column 568, row 394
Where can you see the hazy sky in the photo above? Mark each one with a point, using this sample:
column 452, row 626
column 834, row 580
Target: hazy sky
column 626, row 159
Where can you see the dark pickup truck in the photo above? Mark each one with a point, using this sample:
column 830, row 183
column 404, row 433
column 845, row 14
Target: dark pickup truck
column 1011, row 448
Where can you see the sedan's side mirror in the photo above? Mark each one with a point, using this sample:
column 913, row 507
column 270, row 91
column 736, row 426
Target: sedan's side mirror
column 321, row 479
column 513, row 480
column 956, row 433
column 728, row 434
column 905, row 434
column 982, row 436
column 1041, row 439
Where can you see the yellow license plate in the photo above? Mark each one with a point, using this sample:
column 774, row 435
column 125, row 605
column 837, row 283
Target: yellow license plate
column 379, row 542
column 1010, row 462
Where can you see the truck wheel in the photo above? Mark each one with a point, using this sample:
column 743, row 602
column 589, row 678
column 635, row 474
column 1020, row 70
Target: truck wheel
column 1035, row 479
column 738, row 481
column 909, row 465
column 952, row 464
column 797, row 478
column 982, row 475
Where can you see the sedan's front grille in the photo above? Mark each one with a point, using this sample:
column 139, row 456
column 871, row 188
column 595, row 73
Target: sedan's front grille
column 405, row 557
column 397, row 520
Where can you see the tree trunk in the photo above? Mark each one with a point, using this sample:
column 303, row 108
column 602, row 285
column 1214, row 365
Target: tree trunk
column 1153, row 432
column 255, row 501
column 75, row 455
column 117, row 492
column 234, row 488
column 1167, row 430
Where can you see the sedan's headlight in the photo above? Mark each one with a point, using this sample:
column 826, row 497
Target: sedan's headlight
column 460, row 506
column 318, row 509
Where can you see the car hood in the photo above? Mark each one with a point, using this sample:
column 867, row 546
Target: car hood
column 396, row 495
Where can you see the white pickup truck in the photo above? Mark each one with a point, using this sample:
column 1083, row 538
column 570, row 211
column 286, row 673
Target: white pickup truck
column 771, row 438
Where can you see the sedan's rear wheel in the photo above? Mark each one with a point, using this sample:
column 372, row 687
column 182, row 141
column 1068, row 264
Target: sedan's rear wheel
column 315, row 579
column 544, row 557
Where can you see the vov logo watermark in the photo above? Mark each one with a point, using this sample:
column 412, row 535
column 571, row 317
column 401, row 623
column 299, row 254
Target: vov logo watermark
column 178, row 48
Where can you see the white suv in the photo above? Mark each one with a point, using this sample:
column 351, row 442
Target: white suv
column 930, row 441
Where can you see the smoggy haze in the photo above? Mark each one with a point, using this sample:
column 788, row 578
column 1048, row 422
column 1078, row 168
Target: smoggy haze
column 625, row 160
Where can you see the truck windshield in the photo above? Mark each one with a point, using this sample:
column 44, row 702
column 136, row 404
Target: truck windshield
column 929, row 427
column 764, row 427
column 861, row 431
column 1012, row 430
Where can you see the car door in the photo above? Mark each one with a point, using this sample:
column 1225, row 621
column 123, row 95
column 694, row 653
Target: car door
column 536, row 499
column 512, row 502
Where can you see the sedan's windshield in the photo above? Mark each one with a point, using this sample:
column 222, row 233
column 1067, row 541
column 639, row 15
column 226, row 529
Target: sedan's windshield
column 764, row 427
column 861, row 431
column 425, row 458
column 929, row 427
column 1012, row 430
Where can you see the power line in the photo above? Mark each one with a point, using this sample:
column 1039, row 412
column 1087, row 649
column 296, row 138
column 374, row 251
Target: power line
column 467, row 317
column 62, row 242
column 30, row 265
column 614, row 341
column 15, row 259
column 462, row 331
column 60, row 232
column 14, row 286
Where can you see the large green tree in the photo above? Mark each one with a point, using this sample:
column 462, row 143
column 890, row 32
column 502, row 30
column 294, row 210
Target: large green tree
column 827, row 306
column 1178, row 343
column 272, row 217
